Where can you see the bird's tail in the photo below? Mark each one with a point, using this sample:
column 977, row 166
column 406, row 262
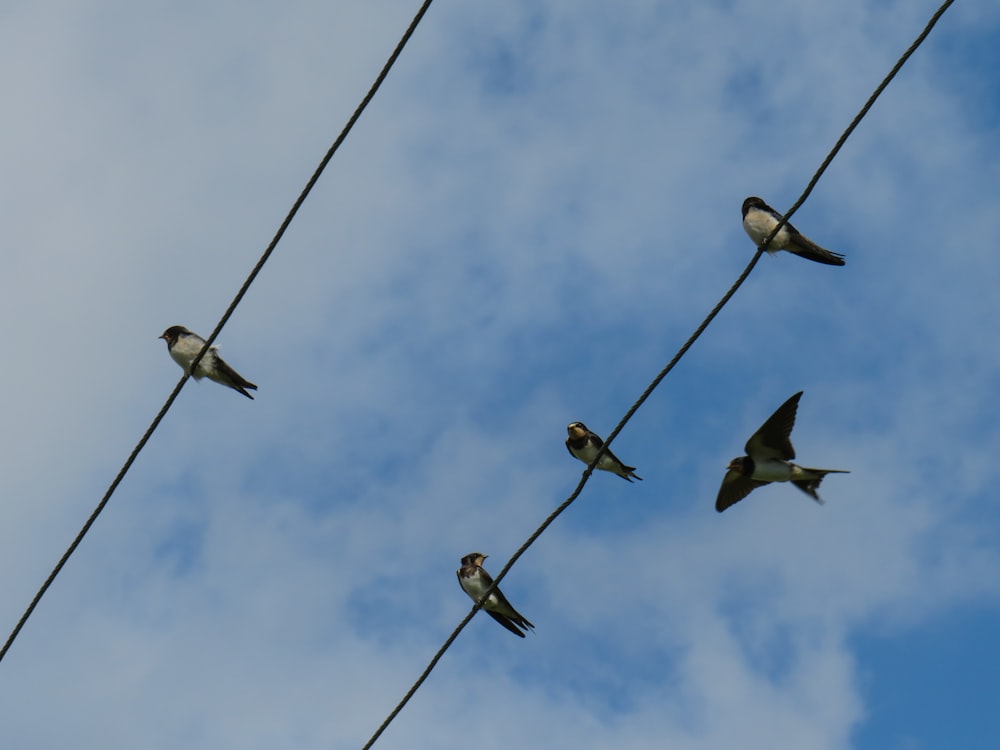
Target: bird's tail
column 625, row 472
column 810, row 485
column 806, row 248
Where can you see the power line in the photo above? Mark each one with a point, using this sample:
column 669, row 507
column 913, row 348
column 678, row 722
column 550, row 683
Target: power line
column 576, row 493
column 222, row 322
column 662, row 374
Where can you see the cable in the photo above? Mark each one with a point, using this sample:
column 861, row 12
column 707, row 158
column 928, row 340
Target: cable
column 218, row 328
column 568, row 501
column 864, row 111
column 663, row 373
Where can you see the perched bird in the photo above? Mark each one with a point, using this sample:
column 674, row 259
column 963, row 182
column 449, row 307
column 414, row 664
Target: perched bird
column 759, row 219
column 768, row 460
column 584, row 444
column 184, row 347
column 475, row 581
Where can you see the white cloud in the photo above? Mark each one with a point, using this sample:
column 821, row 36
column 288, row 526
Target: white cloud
column 534, row 213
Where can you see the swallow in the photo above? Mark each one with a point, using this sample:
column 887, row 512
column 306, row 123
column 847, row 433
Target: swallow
column 184, row 347
column 768, row 459
column 475, row 581
column 758, row 221
column 584, row 444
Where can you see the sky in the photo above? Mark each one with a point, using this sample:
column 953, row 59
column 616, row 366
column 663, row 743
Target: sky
column 539, row 207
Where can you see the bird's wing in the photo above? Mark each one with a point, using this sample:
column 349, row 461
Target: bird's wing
column 505, row 621
column 734, row 488
column 802, row 245
column 226, row 370
column 773, row 439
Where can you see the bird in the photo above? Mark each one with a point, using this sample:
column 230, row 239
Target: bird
column 474, row 581
column 584, row 444
column 184, row 346
column 768, row 459
column 759, row 219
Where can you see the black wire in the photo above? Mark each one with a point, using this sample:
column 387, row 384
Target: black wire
column 663, row 373
column 568, row 501
column 218, row 328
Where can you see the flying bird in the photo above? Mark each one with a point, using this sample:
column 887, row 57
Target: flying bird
column 768, row 459
column 759, row 219
column 475, row 581
column 184, row 347
column 584, row 445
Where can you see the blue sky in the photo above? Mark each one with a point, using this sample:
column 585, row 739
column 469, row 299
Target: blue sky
column 539, row 207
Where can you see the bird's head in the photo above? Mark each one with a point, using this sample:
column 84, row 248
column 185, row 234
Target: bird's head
column 474, row 558
column 173, row 333
column 752, row 202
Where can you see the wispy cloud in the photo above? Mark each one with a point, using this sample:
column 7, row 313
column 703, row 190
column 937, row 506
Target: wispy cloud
column 539, row 207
